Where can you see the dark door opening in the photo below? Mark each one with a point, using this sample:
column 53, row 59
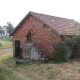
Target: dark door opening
column 17, row 48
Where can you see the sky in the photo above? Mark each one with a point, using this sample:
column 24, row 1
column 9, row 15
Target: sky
column 14, row 10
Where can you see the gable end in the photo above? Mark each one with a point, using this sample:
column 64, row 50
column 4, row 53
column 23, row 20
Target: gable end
column 31, row 13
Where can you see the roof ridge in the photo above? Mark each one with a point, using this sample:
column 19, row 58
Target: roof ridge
column 51, row 15
column 48, row 21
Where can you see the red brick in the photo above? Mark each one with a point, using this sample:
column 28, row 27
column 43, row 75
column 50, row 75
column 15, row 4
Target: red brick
column 40, row 34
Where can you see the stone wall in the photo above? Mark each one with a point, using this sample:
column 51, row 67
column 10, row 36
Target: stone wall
column 26, row 53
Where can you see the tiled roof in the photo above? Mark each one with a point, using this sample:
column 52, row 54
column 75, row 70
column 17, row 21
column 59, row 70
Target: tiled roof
column 61, row 26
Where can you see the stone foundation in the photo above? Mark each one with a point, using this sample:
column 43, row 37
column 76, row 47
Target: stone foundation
column 26, row 54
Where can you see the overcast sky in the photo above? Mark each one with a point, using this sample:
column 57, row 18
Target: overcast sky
column 14, row 10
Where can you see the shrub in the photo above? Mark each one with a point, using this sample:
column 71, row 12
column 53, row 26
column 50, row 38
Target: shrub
column 74, row 44
column 60, row 54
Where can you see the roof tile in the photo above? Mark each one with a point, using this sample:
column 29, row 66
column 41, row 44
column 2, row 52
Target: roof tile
column 58, row 23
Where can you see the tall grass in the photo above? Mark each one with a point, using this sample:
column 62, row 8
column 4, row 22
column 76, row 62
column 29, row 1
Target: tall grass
column 6, row 38
column 6, row 74
column 6, row 42
column 4, row 45
column 0, row 44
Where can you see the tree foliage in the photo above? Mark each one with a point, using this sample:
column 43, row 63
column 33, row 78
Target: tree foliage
column 9, row 28
column 2, row 31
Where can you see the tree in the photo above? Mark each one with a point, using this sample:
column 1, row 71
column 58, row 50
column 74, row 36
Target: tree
column 9, row 28
column 2, row 31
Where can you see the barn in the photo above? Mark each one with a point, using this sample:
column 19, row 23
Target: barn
column 37, row 25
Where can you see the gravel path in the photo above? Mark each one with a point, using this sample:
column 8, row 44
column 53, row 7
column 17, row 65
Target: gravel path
column 3, row 55
column 2, row 41
column 5, row 50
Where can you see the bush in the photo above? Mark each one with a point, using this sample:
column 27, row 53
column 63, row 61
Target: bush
column 74, row 45
column 60, row 54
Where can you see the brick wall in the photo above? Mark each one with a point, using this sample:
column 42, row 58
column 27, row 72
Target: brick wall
column 40, row 37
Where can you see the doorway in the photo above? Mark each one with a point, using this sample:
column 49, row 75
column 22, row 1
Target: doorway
column 17, row 48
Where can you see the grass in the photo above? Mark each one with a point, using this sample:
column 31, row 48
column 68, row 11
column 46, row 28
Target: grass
column 6, row 42
column 4, row 54
column 38, row 70
column 6, row 39
column 4, row 45
column 6, row 74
